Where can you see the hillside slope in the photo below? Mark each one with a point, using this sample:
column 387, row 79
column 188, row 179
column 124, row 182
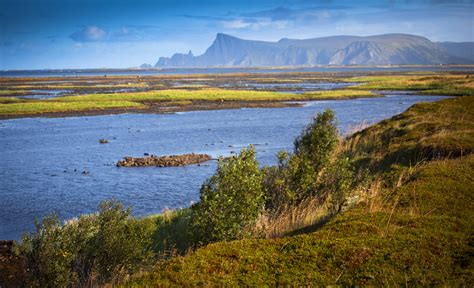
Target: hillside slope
column 418, row 232
column 385, row 49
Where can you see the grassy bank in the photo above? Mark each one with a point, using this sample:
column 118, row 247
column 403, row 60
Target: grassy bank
column 412, row 226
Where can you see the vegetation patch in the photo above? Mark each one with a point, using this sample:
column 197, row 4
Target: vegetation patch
column 456, row 85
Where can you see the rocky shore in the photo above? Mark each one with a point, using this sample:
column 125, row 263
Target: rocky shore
column 164, row 161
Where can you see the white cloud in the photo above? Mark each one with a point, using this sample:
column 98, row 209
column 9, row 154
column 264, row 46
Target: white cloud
column 89, row 34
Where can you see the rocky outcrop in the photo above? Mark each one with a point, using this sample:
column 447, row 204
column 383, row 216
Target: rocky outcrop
column 164, row 161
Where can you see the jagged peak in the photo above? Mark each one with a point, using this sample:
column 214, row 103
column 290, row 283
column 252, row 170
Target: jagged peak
column 222, row 36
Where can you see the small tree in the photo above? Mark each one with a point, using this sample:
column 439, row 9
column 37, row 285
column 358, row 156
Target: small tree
column 297, row 176
column 318, row 140
column 230, row 200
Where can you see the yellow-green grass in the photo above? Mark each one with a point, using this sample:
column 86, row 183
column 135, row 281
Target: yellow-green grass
column 135, row 100
column 7, row 100
column 432, row 84
column 38, row 107
column 339, row 94
column 14, row 92
column 98, row 86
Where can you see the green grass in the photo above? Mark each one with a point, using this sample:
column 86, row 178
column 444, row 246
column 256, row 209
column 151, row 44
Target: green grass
column 417, row 233
column 456, row 85
column 425, row 131
column 390, row 247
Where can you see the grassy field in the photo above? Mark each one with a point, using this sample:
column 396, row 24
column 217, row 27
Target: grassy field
column 199, row 88
column 426, row 84
column 417, row 231
column 166, row 97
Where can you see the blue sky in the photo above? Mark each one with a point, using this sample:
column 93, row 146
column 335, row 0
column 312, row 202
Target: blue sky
column 121, row 34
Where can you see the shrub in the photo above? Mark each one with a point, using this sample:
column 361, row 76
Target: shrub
column 318, row 140
column 173, row 232
column 230, row 201
column 337, row 182
column 47, row 254
column 93, row 249
column 297, row 176
column 121, row 242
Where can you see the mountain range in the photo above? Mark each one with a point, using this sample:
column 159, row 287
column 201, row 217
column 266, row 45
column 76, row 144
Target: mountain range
column 387, row 49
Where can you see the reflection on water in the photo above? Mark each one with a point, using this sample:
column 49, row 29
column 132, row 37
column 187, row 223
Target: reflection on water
column 57, row 164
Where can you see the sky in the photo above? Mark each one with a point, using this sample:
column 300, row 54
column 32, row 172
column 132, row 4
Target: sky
column 60, row 34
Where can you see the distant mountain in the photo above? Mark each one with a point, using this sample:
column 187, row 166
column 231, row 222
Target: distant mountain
column 146, row 66
column 385, row 49
column 464, row 50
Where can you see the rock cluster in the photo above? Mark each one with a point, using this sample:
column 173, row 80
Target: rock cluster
column 164, row 161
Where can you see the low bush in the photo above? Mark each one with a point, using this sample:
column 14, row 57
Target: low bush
column 298, row 176
column 94, row 249
column 230, row 201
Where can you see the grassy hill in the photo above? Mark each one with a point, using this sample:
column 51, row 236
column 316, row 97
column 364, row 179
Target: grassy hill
column 414, row 225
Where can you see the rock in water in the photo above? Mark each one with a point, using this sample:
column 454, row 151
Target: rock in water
column 164, row 161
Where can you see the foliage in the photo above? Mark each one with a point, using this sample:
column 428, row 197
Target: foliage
column 95, row 248
column 173, row 232
column 298, row 176
column 231, row 200
column 338, row 180
column 318, row 139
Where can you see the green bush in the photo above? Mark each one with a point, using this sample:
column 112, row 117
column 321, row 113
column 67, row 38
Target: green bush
column 230, row 201
column 173, row 233
column 338, row 180
column 297, row 176
column 93, row 249
column 318, row 140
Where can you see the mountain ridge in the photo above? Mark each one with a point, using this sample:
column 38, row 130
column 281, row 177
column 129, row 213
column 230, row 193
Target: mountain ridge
column 386, row 49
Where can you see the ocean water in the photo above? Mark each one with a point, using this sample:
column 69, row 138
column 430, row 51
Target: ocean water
column 57, row 164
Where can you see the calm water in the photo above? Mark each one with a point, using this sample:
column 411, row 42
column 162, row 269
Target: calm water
column 125, row 72
column 57, row 164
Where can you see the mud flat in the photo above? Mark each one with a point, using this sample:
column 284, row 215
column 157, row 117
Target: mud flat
column 164, row 161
